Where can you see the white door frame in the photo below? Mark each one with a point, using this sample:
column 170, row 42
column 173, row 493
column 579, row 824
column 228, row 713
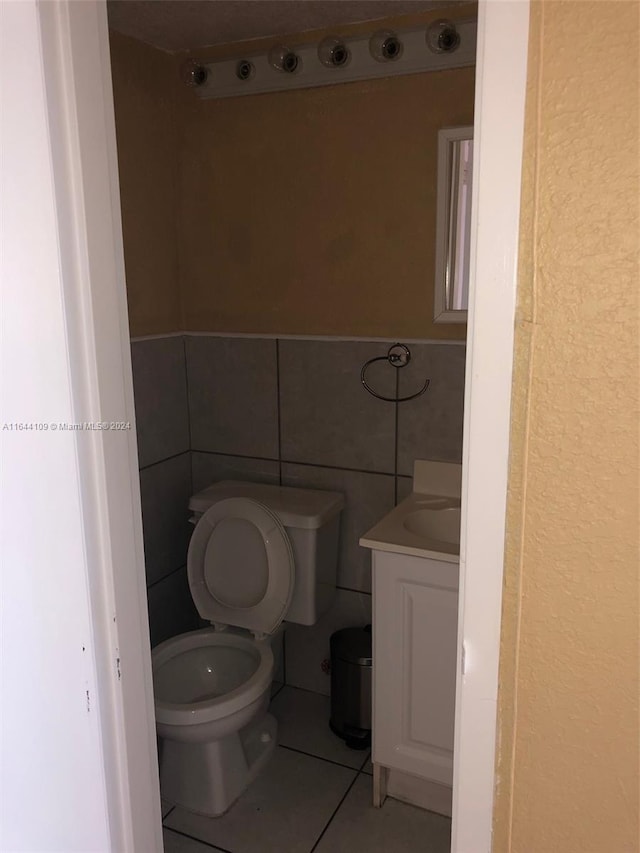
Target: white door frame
column 78, row 99
column 79, row 96
column 501, row 76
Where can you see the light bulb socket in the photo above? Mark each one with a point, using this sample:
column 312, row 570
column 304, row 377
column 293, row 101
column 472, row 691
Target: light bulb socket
column 334, row 53
column 245, row 70
column 193, row 74
column 442, row 37
column 283, row 59
column 385, row 46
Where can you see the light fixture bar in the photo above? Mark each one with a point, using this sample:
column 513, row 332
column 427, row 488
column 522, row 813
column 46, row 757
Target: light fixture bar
column 222, row 79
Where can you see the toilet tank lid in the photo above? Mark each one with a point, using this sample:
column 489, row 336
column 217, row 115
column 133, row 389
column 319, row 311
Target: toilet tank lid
column 307, row 509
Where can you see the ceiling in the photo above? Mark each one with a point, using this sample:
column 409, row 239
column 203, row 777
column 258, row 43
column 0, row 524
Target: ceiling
column 181, row 24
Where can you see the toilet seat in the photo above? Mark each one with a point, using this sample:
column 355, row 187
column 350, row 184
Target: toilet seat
column 240, row 566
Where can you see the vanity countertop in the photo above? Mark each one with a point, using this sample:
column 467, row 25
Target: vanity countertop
column 427, row 523
column 422, row 526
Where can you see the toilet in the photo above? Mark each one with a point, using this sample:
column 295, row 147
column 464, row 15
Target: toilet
column 258, row 554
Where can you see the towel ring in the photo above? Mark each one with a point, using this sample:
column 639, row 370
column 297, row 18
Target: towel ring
column 398, row 355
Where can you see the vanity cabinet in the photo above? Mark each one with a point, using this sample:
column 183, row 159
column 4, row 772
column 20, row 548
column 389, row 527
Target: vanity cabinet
column 415, row 607
column 415, row 558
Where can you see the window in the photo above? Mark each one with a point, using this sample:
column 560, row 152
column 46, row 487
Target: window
column 453, row 228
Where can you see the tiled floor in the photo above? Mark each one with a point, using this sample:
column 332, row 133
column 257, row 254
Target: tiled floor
column 314, row 797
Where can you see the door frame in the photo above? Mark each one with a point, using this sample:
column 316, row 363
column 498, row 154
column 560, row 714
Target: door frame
column 79, row 99
column 501, row 80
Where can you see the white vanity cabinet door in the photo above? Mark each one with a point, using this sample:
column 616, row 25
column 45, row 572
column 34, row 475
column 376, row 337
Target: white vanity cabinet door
column 415, row 603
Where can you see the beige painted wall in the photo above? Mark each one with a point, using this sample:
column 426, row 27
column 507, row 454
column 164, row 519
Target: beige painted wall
column 568, row 753
column 304, row 212
column 313, row 211
column 144, row 85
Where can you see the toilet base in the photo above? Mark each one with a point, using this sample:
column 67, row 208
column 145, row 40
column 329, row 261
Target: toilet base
column 207, row 778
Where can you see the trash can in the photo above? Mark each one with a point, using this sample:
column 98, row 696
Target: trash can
column 351, row 686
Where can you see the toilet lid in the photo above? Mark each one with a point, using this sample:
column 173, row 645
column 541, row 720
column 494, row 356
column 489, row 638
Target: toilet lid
column 240, row 566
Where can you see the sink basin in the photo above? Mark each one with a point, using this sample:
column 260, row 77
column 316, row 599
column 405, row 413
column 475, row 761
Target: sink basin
column 426, row 523
column 439, row 524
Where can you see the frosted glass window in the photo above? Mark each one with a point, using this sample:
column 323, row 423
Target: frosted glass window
column 453, row 233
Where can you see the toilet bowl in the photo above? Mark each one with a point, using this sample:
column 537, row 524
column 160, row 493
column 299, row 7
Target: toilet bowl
column 204, row 679
column 211, row 691
column 212, row 687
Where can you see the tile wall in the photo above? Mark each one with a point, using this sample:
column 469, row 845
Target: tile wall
column 162, row 421
column 292, row 412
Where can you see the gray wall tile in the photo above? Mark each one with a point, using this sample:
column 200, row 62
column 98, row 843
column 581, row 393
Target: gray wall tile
column 233, row 396
column 277, row 647
column 367, row 498
column 327, row 417
column 208, row 468
column 405, row 487
column 160, row 393
column 307, row 647
column 171, row 608
column 430, row 427
column 165, row 489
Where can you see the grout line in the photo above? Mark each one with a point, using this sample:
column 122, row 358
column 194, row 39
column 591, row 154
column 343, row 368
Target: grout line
column 296, row 462
column 319, row 757
column 157, row 336
column 364, row 762
column 336, row 810
column 199, row 840
column 284, row 657
column 235, row 455
column 167, row 814
column 306, row 690
column 278, row 691
column 186, row 385
column 164, row 577
column 279, row 415
column 186, row 373
column 395, row 441
column 338, row 468
column 351, row 589
column 160, row 461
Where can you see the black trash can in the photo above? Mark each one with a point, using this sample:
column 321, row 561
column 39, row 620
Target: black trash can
column 351, row 686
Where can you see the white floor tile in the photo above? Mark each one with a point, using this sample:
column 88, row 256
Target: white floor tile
column 283, row 811
column 303, row 723
column 175, row 843
column 368, row 767
column 165, row 808
column 397, row 827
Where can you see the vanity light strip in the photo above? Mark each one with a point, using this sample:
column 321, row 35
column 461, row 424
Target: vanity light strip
column 222, row 80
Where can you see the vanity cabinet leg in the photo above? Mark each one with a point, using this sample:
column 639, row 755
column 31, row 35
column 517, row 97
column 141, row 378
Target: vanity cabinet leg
column 379, row 785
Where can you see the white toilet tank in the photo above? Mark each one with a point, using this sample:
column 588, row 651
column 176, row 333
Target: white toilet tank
column 312, row 521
